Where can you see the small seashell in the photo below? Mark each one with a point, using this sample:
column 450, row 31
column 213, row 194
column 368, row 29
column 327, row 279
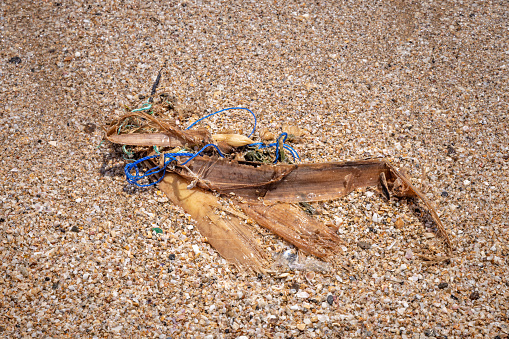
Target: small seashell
column 310, row 275
column 235, row 140
column 266, row 135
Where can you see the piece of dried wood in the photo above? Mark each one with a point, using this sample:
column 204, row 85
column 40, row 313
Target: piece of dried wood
column 293, row 183
column 232, row 238
column 292, row 224
column 166, row 132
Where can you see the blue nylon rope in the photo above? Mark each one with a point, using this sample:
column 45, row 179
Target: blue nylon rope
column 289, row 148
column 133, row 179
column 171, row 157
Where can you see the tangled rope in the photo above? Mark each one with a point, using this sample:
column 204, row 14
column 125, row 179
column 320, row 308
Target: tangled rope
column 170, row 158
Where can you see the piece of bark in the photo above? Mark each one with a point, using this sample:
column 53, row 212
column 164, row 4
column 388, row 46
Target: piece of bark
column 174, row 135
column 286, row 182
column 303, row 182
column 231, row 237
column 295, row 226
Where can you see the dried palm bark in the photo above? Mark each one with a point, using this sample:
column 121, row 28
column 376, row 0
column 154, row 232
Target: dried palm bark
column 166, row 134
column 303, row 182
column 292, row 224
column 231, row 237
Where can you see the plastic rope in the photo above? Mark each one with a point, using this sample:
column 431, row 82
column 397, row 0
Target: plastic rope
column 144, row 107
column 171, row 157
column 223, row 110
column 133, row 179
column 289, row 148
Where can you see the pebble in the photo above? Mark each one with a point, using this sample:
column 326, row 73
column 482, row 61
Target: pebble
column 15, row 60
column 303, row 294
column 399, row 223
column 196, row 249
column 364, row 245
column 474, row 295
column 376, row 218
column 330, row 299
column 443, row 285
column 430, row 332
column 301, row 327
column 23, row 270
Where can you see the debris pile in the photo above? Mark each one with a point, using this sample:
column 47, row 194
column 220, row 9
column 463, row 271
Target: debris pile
column 264, row 181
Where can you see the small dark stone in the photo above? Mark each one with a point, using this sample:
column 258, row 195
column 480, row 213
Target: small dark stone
column 295, row 286
column 141, row 96
column 55, row 285
column 39, row 141
column 15, row 60
column 47, row 278
column 442, row 285
column 454, row 297
column 260, row 276
column 450, row 150
column 2, row 220
column 75, row 229
column 227, row 331
column 89, row 128
column 364, row 245
column 497, row 337
column 474, row 295
column 171, row 256
column 444, row 194
column 430, row 332
column 330, row 299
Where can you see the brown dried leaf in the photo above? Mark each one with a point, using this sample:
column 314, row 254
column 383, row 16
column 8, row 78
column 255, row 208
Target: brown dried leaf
column 303, row 182
column 229, row 236
column 292, row 224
